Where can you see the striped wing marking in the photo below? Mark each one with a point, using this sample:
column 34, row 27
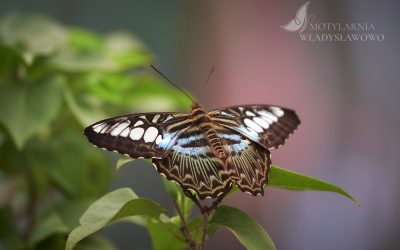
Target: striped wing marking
column 192, row 164
column 266, row 125
column 140, row 135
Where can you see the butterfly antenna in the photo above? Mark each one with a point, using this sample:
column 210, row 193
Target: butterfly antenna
column 209, row 75
column 173, row 84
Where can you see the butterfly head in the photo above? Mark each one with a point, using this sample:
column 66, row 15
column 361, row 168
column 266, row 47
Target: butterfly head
column 195, row 105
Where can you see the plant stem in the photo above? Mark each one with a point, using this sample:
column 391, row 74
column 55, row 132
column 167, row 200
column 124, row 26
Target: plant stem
column 30, row 211
column 205, row 211
column 185, row 227
column 205, row 225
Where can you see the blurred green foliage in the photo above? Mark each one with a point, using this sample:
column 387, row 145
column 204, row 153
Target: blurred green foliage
column 54, row 80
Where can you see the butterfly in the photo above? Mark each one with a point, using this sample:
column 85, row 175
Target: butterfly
column 206, row 152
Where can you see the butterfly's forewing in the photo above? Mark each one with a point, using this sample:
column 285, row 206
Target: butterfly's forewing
column 266, row 125
column 140, row 135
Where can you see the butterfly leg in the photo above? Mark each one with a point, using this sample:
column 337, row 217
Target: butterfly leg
column 219, row 199
column 215, row 203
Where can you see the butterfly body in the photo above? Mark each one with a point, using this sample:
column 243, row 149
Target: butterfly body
column 208, row 128
column 202, row 151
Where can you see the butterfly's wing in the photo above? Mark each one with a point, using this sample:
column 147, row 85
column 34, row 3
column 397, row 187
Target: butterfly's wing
column 139, row 135
column 266, row 125
column 192, row 164
column 248, row 163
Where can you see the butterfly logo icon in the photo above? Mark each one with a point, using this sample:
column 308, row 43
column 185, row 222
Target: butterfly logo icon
column 300, row 22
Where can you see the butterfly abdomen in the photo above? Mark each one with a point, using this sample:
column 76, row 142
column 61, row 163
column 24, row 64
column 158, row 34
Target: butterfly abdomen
column 215, row 143
column 206, row 126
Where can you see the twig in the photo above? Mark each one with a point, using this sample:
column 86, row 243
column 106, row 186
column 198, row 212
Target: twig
column 8, row 192
column 205, row 225
column 185, row 227
column 30, row 211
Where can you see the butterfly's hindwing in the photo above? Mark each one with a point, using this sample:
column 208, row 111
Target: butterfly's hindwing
column 192, row 164
column 141, row 135
column 266, row 125
column 248, row 162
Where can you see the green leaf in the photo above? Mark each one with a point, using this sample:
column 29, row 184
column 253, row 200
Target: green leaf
column 165, row 235
column 84, row 40
column 113, row 206
column 246, row 230
column 196, row 228
column 71, row 164
column 152, row 94
column 126, row 50
column 286, row 179
column 85, row 110
column 122, row 160
column 26, row 109
column 56, row 241
column 9, row 62
column 33, row 35
column 46, row 227
column 88, row 51
column 172, row 188
column 9, row 236
column 96, row 242
column 70, row 211
column 74, row 61
column 283, row 178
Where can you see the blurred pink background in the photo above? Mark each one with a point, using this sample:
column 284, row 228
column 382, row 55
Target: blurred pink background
column 347, row 96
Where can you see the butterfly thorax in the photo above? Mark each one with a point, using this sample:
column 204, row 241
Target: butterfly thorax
column 208, row 129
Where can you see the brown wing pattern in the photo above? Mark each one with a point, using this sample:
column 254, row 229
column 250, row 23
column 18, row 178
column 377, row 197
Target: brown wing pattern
column 248, row 163
column 192, row 164
column 266, row 125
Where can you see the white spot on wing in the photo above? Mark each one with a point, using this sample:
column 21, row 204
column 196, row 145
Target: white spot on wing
column 138, row 123
column 159, row 139
column 150, row 135
column 249, row 113
column 104, row 129
column 155, row 119
column 168, row 118
column 261, row 122
column 117, row 130
column 136, row 133
column 277, row 111
column 125, row 133
column 254, row 126
column 98, row 127
column 268, row 115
